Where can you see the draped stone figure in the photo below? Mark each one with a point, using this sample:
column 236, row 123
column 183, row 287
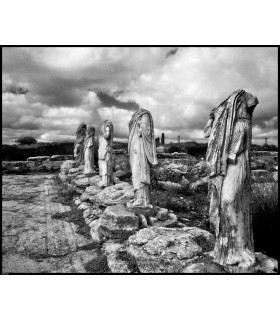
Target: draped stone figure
column 89, row 150
column 228, row 156
column 79, row 144
column 105, row 156
column 142, row 153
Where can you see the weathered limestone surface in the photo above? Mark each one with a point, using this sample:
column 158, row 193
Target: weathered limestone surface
column 118, row 223
column 113, row 195
column 34, row 239
column 66, row 166
column 34, row 164
column 39, row 158
column 158, row 250
column 62, row 157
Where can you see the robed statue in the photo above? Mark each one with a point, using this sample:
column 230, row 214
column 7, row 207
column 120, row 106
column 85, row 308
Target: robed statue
column 89, row 150
column 105, row 156
column 228, row 156
column 142, row 153
column 79, row 144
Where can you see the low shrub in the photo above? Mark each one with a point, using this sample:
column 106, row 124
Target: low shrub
column 26, row 140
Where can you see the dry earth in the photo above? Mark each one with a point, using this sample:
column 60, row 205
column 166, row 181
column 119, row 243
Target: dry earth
column 37, row 235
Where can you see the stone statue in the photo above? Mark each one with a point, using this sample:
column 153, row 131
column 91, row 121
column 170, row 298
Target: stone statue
column 228, row 156
column 141, row 149
column 89, row 150
column 105, row 156
column 79, row 144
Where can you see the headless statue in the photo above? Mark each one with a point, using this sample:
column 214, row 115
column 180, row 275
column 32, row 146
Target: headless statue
column 79, row 144
column 142, row 153
column 105, row 156
column 89, row 151
column 228, row 156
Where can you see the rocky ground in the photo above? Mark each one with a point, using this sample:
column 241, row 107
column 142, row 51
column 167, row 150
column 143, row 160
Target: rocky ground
column 67, row 223
column 41, row 235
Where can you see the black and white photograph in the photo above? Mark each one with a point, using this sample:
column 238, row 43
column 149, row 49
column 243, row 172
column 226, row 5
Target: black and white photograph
column 139, row 160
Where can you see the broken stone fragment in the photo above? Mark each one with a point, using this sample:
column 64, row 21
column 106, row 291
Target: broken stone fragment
column 170, row 222
column 94, row 232
column 113, row 195
column 117, row 222
column 62, row 157
column 39, row 158
column 204, row 267
column 83, row 206
column 67, row 165
column 161, row 213
column 165, row 250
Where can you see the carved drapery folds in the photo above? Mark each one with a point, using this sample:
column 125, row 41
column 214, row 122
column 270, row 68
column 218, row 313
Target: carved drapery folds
column 228, row 157
column 142, row 153
column 105, row 156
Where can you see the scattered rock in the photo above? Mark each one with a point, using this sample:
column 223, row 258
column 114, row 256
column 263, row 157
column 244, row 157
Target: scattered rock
column 168, row 184
column 62, row 157
column 67, row 165
column 202, row 165
column 116, row 180
column 91, row 214
column 185, row 182
column 160, row 149
column 204, row 267
column 90, row 191
column 74, row 170
column 170, row 222
column 275, row 175
column 117, row 222
column 117, row 260
column 63, row 177
column 39, row 158
column 161, row 213
column 113, row 195
column 265, row 263
column 164, row 250
column 94, row 180
column 81, row 181
column 83, row 206
column 119, row 173
column 95, row 235
column 77, row 201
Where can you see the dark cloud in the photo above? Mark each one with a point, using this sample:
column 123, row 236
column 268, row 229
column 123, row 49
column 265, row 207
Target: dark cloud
column 49, row 91
column 171, row 53
column 15, row 90
column 109, row 100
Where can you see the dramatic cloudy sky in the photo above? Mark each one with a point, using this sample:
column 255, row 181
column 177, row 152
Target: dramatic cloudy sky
column 47, row 92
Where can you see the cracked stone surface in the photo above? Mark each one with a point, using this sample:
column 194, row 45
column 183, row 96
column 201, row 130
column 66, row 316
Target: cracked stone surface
column 34, row 240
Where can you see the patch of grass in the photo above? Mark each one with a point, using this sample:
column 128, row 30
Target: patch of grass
column 265, row 215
